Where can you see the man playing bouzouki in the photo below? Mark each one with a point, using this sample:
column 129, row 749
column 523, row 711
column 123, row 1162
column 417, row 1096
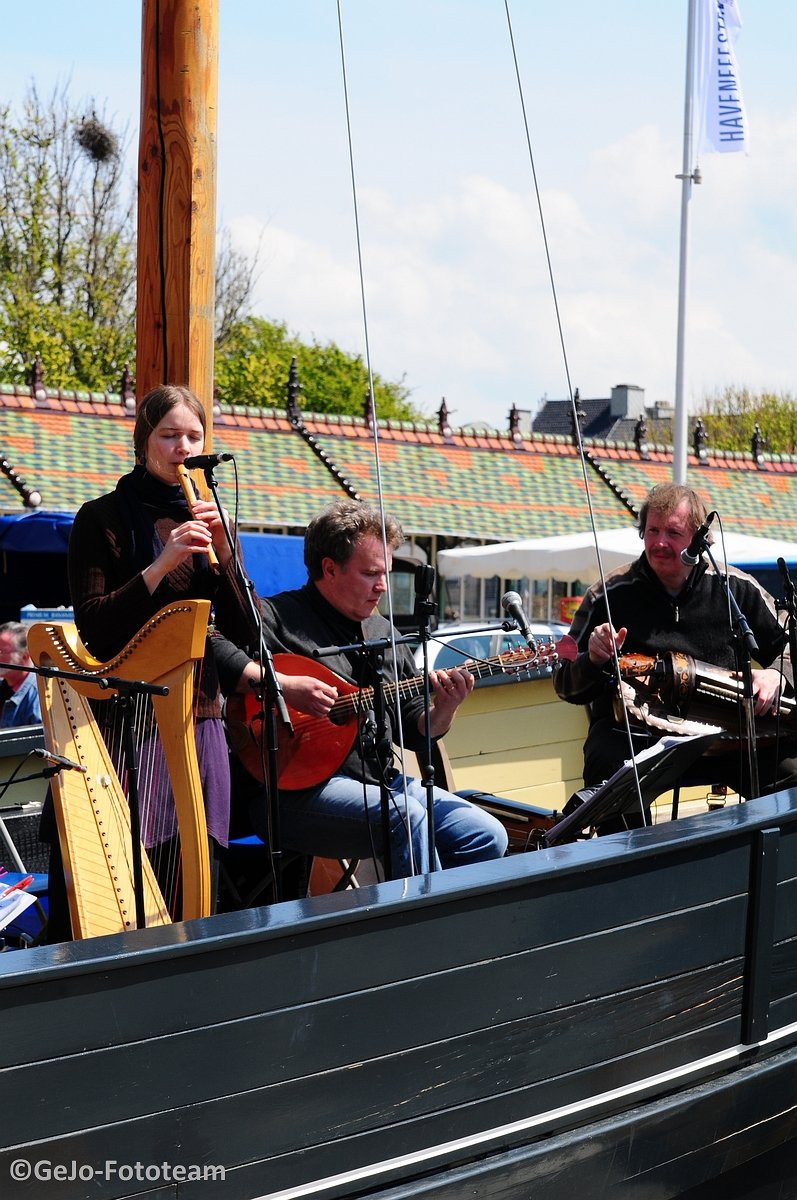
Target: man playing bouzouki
column 333, row 807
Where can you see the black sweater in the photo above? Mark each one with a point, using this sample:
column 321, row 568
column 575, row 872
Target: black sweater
column 695, row 622
column 299, row 622
column 112, row 601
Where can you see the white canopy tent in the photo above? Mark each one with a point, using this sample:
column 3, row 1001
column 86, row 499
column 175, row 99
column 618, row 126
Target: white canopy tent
column 572, row 556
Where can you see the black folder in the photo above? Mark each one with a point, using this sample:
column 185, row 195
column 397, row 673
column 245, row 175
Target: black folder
column 659, row 768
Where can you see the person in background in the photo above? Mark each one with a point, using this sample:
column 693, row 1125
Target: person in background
column 19, row 693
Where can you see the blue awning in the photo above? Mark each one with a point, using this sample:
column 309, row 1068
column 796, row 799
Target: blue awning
column 274, row 562
column 36, row 532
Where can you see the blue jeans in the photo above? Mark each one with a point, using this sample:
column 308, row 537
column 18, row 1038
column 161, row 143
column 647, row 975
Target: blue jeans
column 331, row 821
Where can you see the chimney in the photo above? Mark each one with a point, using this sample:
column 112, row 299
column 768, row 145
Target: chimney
column 627, row 400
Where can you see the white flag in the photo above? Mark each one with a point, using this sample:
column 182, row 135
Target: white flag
column 723, row 120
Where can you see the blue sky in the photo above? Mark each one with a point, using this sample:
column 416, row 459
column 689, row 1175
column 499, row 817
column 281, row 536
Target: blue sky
column 457, row 296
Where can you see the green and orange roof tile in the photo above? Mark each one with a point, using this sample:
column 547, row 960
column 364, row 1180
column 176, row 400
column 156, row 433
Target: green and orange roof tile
column 471, row 483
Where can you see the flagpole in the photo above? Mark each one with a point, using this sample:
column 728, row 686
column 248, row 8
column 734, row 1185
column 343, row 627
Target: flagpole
column 687, row 177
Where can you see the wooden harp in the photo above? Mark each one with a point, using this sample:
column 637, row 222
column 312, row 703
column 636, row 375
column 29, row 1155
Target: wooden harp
column 91, row 809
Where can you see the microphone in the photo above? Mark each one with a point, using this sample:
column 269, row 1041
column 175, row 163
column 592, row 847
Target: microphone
column 67, row 763
column 205, row 460
column 691, row 555
column 788, row 586
column 512, row 605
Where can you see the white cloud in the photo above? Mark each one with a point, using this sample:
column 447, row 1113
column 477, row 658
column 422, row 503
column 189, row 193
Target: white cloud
column 457, row 288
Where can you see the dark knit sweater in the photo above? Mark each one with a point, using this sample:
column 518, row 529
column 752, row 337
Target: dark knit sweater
column 299, row 622
column 695, row 622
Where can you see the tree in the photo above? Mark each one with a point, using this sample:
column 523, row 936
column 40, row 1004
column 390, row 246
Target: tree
column 67, row 277
column 67, row 248
column 67, row 245
column 731, row 416
column 236, row 276
column 253, row 363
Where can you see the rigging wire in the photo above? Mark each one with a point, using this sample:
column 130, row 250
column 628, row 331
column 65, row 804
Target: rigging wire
column 375, row 420
column 571, row 395
column 560, row 329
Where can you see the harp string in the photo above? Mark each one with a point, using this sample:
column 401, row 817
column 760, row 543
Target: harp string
column 160, row 836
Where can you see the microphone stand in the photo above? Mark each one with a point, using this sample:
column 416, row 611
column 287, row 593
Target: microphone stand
column 789, row 605
column 125, row 690
column 5, row 784
column 746, row 647
column 424, row 607
column 272, row 701
column 380, row 742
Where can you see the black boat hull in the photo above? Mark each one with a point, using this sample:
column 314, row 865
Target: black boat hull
column 614, row 1017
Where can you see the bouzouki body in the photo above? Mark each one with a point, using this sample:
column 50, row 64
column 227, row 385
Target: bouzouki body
column 318, row 745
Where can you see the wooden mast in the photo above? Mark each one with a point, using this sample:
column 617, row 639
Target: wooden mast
column 177, row 197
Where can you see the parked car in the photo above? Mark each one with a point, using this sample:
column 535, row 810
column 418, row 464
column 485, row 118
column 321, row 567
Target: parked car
column 452, row 645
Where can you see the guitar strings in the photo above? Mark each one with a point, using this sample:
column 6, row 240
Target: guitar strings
column 512, row 662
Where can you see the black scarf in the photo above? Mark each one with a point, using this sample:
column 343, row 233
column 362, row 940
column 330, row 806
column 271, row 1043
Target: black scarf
column 144, row 500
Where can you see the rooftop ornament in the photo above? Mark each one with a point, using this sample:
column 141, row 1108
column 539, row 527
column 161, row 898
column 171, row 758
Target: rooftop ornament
column 127, row 390
column 443, row 425
column 699, row 440
column 514, row 425
column 293, row 410
column 641, row 438
column 35, row 379
column 577, row 418
column 30, row 498
column 757, row 444
column 368, row 410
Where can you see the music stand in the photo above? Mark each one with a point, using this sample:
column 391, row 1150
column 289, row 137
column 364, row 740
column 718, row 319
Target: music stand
column 659, row 768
